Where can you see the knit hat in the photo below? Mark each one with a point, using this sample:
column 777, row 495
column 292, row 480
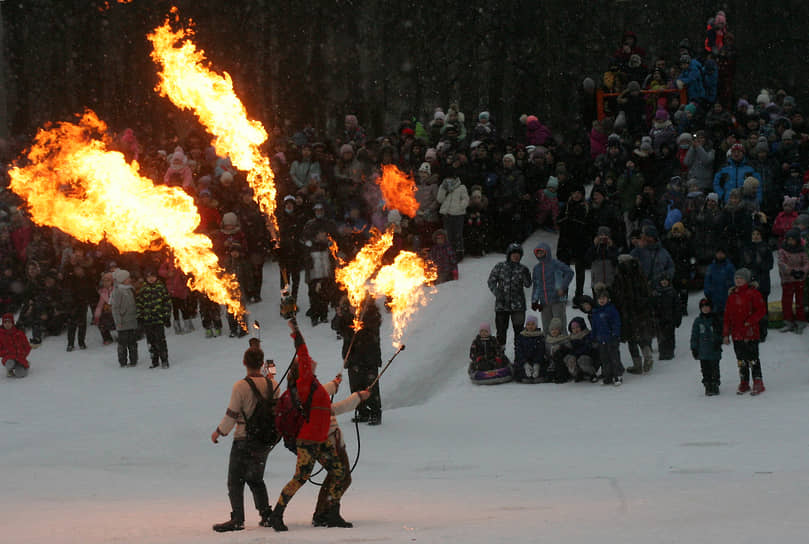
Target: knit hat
column 553, row 183
column 705, row 302
column 685, row 139
column 713, row 196
column 737, row 147
column 346, row 148
column 439, row 116
column 604, row 231
column 120, row 275
column 204, row 192
column 763, row 98
column 792, row 202
column 661, row 115
column 633, row 86
column 226, row 177
column 678, row 228
column 430, row 154
column 761, row 147
column 230, row 220
column 531, row 319
column 750, row 185
column 508, row 157
column 555, row 323
column 289, row 198
column 788, row 134
column 484, row 115
column 485, row 326
column 691, row 108
column 685, row 59
column 743, row 273
column 425, row 167
column 588, row 84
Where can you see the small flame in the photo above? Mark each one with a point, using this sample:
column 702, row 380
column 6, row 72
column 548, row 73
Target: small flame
column 404, row 282
column 74, row 183
column 189, row 84
column 398, row 190
column 354, row 276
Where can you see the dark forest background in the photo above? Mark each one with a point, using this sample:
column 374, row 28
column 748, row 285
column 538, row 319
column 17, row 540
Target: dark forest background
column 294, row 62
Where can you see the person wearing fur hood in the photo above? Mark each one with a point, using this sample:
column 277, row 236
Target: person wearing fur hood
column 557, row 346
column 179, row 169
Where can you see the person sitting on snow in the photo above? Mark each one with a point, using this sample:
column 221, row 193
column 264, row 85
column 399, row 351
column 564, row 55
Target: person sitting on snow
column 486, row 353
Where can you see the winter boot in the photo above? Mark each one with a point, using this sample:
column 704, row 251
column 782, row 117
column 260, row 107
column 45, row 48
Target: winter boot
column 334, row 519
column 715, row 388
column 266, row 518
column 277, row 518
column 217, row 331
column 799, row 326
column 744, row 387
column 637, row 366
column 189, row 325
column 648, row 361
column 758, row 387
column 708, row 389
column 155, row 362
column 375, row 419
column 789, row 326
column 617, row 381
column 208, row 333
column 178, row 327
column 319, row 519
column 232, row 524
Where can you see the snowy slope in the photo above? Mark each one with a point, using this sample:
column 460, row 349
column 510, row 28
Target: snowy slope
column 91, row 453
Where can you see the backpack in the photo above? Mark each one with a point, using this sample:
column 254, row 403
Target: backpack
column 290, row 415
column 260, row 426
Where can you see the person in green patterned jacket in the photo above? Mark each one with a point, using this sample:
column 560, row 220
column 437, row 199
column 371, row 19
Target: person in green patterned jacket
column 154, row 312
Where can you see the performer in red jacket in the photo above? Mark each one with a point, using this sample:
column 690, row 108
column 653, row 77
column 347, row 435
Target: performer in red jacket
column 312, row 442
column 14, row 348
column 743, row 311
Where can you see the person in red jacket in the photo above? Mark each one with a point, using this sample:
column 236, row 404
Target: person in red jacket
column 312, row 442
column 14, row 348
column 743, row 311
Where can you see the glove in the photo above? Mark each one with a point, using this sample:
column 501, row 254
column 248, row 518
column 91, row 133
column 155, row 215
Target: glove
column 694, row 354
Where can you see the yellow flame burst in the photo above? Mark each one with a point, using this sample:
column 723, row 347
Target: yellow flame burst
column 189, row 84
column 404, row 282
column 74, row 183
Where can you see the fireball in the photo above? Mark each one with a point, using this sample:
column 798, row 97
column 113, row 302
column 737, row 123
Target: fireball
column 398, row 190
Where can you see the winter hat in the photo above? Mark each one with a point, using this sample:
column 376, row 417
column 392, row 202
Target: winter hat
column 318, row 206
column 346, row 148
column 204, row 192
column 425, row 167
column 763, row 98
column 604, row 231
column 678, row 228
column 735, row 193
column 485, row 326
column 230, row 220
column 713, row 196
column 793, row 233
column 8, row 316
column 120, row 275
column 586, row 299
column 599, row 290
column 598, row 190
column 437, row 233
column 788, row 134
column 737, row 147
column 289, row 198
column 789, row 101
column 508, row 156
column 651, row 232
column 685, row 139
column 483, row 116
column 750, row 185
column 531, row 319
column 705, row 302
column 661, row 115
column 761, row 147
column 646, row 147
column 555, row 323
column 743, row 273
column 580, row 321
column 553, row 183
column 226, row 177
column 633, row 86
column 430, row 154
column 439, row 116
column 691, row 108
column 792, row 202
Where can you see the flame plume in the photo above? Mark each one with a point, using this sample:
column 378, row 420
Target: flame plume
column 354, row 276
column 74, row 183
column 398, row 190
column 404, row 282
column 190, row 85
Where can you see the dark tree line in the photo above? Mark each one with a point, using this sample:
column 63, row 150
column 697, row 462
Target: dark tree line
column 295, row 62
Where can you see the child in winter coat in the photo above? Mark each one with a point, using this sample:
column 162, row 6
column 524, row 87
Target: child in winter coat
column 606, row 334
column 785, row 218
column 580, row 361
column 485, row 352
column 154, row 311
column 793, row 264
column 125, row 315
column 183, row 302
column 476, row 232
column 706, row 345
column 548, row 205
column 557, row 345
column 603, row 258
column 102, row 316
column 442, row 256
column 718, row 279
column 745, row 309
column 14, row 348
column 668, row 316
column 529, row 352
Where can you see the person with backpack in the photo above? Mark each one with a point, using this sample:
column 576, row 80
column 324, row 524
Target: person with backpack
column 312, row 443
column 250, row 411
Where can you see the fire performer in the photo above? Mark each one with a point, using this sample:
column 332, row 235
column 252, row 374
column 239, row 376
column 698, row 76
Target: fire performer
column 247, row 458
column 362, row 354
column 312, row 442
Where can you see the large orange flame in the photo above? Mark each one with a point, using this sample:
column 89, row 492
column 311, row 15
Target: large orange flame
column 404, row 282
column 354, row 276
column 74, row 183
column 398, row 190
column 189, row 84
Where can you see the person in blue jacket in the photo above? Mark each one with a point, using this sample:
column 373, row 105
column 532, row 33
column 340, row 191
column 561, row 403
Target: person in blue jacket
column 606, row 334
column 719, row 280
column 551, row 279
column 706, row 346
column 733, row 175
column 691, row 78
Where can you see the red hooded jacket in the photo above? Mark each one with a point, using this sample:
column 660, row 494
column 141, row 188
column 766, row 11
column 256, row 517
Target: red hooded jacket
column 743, row 310
column 14, row 344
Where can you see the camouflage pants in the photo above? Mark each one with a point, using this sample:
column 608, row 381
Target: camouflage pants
column 325, row 454
column 323, row 496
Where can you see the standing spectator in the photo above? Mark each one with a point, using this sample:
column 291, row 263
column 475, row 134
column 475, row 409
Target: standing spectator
column 757, row 258
column 507, row 282
column 78, row 294
column 733, row 175
column 606, row 321
column 699, row 159
column 793, row 264
column 443, row 257
column 603, row 259
column 690, row 78
column 454, row 199
column 319, row 277
column 302, row 169
column 632, row 297
column 14, row 348
column 125, row 316
column 183, row 301
column 102, row 316
column 745, row 309
column 154, row 311
column 678, row 244
column 290, row 248
column 575, row 235
column 668, row 316
column 551, row 279
column 718, row 280
column 655, row 262
column 236, row 264
column 706, row 346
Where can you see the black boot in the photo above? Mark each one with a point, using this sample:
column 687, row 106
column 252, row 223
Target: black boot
column 375, row 419
column 266, row 518
column 319, row 519
column 233, row 524
column 334, row 519
column 277, row 518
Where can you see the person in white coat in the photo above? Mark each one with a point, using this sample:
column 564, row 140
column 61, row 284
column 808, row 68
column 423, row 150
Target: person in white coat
column 454, row 198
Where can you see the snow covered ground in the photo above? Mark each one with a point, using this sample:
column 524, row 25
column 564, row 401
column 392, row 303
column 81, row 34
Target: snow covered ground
column 92, row 453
